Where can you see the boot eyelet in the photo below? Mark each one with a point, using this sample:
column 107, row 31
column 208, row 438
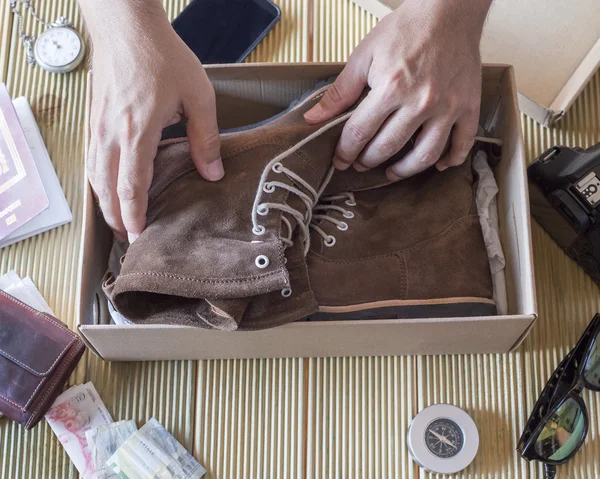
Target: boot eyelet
column 343, row 226
column 261, row 261
column 259, row 230
column 286, row 292
column 268, row 188
column 348, row 214
column 277, row 167
column 350, row 202
column 330, row 241
column 262, row 210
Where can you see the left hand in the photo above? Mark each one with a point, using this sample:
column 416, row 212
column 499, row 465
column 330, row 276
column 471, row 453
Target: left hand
column 423, row 67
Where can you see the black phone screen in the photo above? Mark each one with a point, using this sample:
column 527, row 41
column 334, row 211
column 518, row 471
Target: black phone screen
column 225, row 31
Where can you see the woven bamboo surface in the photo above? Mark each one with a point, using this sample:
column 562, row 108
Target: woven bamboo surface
column 295, row 418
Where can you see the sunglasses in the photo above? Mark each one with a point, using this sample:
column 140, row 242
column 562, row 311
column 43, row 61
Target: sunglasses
column 557, row 427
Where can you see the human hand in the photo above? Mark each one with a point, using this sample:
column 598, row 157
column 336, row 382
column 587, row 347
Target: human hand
column 144, row 79
column 423, row 67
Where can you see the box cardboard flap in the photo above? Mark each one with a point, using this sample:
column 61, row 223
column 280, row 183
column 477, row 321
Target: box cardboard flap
column 554, row 47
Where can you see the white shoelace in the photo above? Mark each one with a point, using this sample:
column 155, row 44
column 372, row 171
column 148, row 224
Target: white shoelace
column 326, row 205
column 310, row 197
column 303, row 220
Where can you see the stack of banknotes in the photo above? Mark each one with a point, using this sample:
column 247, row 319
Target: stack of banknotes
column 103, row 449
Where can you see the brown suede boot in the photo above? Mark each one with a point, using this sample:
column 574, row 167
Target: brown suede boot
column 407, row 250
column 230, row 240
column 337, row 211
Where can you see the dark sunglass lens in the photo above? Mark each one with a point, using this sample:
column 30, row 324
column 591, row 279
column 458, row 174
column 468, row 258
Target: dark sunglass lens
column 563, row 432
column 591, row 370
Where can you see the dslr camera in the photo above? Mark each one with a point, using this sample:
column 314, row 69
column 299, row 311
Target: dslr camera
column 565, row 200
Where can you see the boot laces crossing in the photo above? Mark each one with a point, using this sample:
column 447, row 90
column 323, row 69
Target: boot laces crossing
column 309, row 197
column 302, row 219
column 327, row 206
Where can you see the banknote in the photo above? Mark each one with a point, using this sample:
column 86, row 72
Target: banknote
column 153, row 453
column 24, row 290
column 103, row 441
column 74, row 412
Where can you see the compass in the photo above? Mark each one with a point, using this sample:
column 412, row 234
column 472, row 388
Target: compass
column 443, row 439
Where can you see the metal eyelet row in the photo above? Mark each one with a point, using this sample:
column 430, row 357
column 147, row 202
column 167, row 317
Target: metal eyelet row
column 262, row 209
column 342, row 226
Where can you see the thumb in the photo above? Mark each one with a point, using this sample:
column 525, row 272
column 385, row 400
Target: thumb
column 203, row 134
column 340, row 96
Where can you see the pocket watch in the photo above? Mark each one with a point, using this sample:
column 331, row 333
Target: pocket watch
column 59, row 49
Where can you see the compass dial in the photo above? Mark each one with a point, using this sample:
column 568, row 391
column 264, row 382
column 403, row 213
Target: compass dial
column 444, row 438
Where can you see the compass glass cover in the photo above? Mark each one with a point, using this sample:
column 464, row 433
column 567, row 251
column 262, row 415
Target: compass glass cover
column 591, row 370
column 563, row 432
column 444, row 438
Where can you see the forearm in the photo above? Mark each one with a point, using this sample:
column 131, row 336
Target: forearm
column 107, row 18
column 472, row 14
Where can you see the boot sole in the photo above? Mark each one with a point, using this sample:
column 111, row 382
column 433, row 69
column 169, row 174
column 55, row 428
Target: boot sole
column 408, row 309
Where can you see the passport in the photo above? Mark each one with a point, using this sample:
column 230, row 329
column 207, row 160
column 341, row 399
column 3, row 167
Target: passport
column 22, row 193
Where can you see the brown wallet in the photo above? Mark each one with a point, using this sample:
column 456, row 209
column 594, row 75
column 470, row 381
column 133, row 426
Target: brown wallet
column 38, row 353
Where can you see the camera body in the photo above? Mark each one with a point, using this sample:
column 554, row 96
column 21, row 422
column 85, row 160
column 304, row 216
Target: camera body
column 565, row 201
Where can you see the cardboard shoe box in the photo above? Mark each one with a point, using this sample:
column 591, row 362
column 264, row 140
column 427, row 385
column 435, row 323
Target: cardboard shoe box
column 251, row 92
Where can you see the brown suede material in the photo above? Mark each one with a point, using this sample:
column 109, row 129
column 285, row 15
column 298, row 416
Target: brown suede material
column 417, row 239
column 272, row 309
column 453, row 264
column 199, row 241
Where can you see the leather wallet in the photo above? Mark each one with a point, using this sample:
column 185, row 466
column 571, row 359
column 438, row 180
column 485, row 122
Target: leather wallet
column 38, row 353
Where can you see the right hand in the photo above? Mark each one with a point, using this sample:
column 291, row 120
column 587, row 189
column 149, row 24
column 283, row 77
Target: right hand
column 144, row 79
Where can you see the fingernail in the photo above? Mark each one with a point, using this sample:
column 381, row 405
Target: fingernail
column 339, row 164
column 132, row 237
column 214, row 170
column 315, row 113
column 441, row 167
column 360, row 168
column 392, row 176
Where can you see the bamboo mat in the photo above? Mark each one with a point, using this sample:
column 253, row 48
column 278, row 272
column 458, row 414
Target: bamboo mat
column 296, row 418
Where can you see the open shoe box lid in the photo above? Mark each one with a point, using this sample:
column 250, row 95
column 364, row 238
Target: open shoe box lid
column 250, row 92
column 554, row 46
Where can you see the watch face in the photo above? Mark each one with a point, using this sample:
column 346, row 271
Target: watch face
column 444, row 438
column 58, row 47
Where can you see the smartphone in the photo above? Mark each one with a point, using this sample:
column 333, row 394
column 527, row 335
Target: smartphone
column 225, row 31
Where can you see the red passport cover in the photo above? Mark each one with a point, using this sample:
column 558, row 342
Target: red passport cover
column 22, row 194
